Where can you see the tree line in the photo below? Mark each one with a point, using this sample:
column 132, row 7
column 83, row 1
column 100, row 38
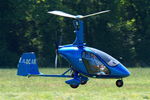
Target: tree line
column 26, row 26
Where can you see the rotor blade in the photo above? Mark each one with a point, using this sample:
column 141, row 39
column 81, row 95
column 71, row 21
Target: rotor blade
column 60, row 13
column 96, row 13
column 56, row 61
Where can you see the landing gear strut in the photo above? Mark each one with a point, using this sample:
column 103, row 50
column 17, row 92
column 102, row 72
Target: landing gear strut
column 119, row 83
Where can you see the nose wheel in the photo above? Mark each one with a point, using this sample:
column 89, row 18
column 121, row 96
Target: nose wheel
column 119, row 83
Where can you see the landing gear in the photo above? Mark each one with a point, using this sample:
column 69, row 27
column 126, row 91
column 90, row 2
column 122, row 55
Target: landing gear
column 77, row 80
column 119, row 83
column 83, row 82
column 74, row 86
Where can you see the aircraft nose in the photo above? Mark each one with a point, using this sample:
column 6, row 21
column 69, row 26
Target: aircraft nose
column 123, row 71
column 126, row 73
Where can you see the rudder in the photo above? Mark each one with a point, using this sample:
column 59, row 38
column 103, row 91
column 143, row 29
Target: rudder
column 28, row 65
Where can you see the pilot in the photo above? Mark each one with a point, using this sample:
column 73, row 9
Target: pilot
column 101, row 70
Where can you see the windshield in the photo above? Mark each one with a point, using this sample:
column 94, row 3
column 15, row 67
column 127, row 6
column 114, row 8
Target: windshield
column 107, row 58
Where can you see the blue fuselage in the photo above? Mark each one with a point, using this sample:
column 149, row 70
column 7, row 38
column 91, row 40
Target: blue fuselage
column 74, row 55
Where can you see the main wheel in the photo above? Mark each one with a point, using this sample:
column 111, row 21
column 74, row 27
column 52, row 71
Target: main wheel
column 119, row 83
column 74, row 86
column 83, row 82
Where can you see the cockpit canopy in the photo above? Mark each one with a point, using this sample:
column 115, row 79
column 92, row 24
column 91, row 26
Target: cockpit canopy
column 107, row 58
column 94, row 62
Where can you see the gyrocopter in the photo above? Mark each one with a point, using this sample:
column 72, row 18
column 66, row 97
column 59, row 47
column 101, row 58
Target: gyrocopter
column 85, row 61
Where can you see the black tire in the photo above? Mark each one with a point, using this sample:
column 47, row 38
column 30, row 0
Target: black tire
column 119, row 83
column 83, row 82
column 72, row 75
column 74, row 86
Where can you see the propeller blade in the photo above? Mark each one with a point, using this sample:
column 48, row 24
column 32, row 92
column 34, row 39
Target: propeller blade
column 96, row 13
column 56, row 60
column 60, row 13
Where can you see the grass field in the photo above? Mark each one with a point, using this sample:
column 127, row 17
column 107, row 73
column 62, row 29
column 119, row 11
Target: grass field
column 13, row 87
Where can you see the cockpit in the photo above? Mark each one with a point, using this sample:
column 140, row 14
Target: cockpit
column 96, row 66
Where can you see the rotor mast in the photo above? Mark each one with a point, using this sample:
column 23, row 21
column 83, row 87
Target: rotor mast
column 79, row 31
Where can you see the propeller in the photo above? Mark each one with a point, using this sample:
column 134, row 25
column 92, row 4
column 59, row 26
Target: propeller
column 56, row 57
column 60, row 13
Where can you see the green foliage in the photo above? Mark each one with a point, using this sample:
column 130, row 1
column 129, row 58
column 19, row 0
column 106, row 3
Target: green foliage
column 26, row 26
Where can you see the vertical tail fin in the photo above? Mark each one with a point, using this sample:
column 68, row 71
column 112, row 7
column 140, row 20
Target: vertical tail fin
column 28, row 65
